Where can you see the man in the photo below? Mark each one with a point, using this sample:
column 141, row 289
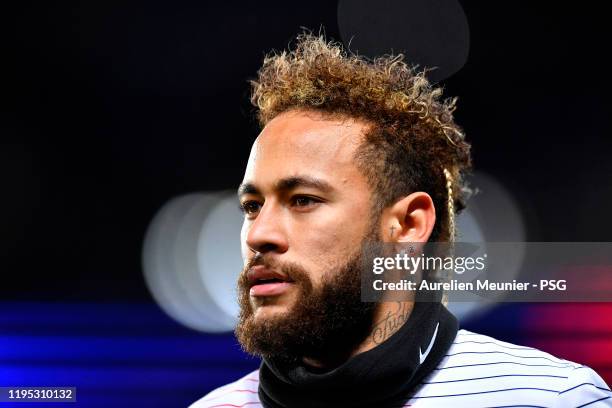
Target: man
column 355, row 151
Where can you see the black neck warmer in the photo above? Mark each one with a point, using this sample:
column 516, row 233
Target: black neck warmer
column 384, row 376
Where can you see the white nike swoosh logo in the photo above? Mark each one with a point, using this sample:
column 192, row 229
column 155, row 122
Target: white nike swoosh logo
column 423, row 356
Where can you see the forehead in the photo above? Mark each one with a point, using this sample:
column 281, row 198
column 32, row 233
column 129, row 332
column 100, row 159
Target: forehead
column 302, row 142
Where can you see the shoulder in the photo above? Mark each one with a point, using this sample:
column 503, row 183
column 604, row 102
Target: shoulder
column 242, row 392
column 480, row 370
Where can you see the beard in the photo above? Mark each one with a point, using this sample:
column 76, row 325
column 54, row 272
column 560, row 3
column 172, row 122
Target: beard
column 326, row 322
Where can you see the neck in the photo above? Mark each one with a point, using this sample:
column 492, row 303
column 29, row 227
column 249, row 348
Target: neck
column 388, row 319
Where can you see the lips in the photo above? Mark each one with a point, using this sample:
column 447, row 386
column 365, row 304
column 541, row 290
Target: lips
column 260, row 274
column 267, row 282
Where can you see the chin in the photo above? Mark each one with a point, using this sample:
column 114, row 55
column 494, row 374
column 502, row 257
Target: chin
column 265, row 308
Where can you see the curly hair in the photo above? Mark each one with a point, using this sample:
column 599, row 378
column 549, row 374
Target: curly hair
column 412, row 143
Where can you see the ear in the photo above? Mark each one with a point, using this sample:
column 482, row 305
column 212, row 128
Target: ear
column 411, row 219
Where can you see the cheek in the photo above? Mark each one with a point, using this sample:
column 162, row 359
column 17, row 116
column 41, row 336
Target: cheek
column 330, row 240
column 244, row 249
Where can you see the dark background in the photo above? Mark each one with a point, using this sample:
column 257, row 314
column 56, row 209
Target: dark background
column 107, row 111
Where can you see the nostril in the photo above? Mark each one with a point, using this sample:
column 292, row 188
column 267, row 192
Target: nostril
column 268, row 247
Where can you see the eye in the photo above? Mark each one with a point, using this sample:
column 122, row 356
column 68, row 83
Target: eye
column 302, row 201
column 250, row 207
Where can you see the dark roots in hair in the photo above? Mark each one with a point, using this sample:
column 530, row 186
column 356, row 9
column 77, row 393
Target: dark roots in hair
column 413, row 143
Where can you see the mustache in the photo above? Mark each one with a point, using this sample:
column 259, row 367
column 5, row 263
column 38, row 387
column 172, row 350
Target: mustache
column 258, row 259
column 293, row 271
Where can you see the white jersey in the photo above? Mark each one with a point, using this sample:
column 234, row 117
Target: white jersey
column 477, row 371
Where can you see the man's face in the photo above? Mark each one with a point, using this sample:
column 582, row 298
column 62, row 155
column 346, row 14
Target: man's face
column 307, row 212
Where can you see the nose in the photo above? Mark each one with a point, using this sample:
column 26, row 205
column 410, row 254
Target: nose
column 266, row 232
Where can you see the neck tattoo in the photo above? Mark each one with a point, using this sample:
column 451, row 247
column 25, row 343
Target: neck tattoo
column 391, row 322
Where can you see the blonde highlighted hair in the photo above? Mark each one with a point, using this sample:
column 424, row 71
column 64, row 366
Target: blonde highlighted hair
column 413, row 143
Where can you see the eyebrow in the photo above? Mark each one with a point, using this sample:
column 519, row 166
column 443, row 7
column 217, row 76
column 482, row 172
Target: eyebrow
column 287, row 184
